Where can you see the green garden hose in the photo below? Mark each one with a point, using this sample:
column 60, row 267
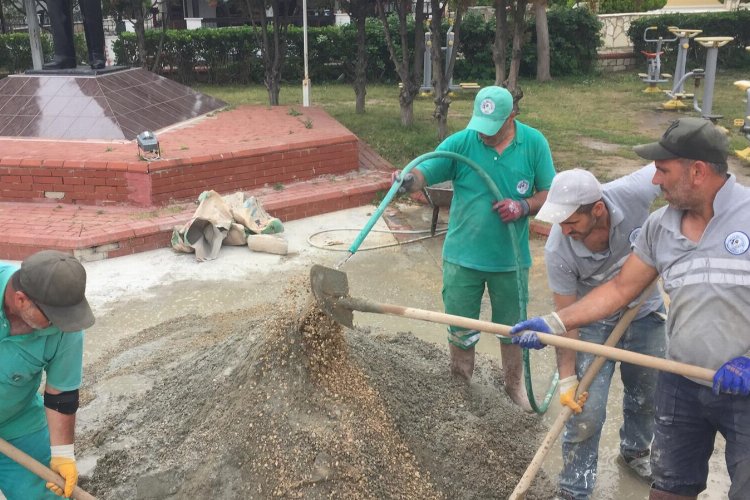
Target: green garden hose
column 522, row 287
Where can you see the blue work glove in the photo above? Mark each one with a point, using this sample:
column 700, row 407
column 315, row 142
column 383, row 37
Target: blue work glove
column 524, row 333
column 733, row 377
column 406, row 184
column 510, row 210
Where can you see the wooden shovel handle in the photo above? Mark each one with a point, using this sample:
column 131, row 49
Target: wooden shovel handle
column 40, row 470
column 565, row 413
column 667, row 365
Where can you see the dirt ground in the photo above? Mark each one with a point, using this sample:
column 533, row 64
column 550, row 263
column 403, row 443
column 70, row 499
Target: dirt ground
column 199, row 383
column 250, row 404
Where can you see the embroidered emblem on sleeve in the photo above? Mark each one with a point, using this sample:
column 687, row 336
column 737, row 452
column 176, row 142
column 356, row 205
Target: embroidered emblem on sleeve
column 737, row 243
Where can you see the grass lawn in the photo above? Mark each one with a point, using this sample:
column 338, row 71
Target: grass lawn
column 588, row 121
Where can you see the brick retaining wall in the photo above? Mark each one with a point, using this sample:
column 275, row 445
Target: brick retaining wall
column 144, row 183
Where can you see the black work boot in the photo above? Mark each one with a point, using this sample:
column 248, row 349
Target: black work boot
column 61, row 22
column 94, row 29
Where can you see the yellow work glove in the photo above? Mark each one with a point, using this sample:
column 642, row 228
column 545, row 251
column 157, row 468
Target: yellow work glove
column 568, row 387
column 64, row 463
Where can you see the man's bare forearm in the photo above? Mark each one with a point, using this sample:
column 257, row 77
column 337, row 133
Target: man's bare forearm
column 605, row 300
column 535, row 202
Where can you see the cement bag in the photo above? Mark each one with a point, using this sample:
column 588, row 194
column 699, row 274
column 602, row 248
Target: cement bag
column 178, row 240
column 236, row 236
column 210, row 224
column 252, row 215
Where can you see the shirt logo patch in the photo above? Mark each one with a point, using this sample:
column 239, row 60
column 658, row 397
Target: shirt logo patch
column 487, row 106
column 737, row 243
column 522, row 186
column 634, row 235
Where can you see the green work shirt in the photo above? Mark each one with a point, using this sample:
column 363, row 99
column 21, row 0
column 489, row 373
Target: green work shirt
column 477, row 237
column 22, row 360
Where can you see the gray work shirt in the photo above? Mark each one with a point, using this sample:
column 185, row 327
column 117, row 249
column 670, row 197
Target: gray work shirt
column 573, row 269
column 708, row 282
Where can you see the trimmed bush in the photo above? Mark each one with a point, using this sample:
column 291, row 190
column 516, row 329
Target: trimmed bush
column 620, row 6
column 232, row 55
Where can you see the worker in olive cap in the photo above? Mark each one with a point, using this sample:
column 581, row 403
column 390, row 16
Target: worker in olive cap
column 480, row 252
column 41, row 330
column 700, row 247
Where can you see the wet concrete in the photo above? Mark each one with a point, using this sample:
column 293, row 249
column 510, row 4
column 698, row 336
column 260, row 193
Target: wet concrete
column 132, row 293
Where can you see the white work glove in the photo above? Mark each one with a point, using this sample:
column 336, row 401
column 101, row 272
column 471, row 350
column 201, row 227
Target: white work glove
column 568, row 387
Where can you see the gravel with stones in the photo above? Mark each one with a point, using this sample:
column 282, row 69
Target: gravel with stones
column 280, row 402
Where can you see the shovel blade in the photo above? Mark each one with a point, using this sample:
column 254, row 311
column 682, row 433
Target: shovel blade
column 329, row 286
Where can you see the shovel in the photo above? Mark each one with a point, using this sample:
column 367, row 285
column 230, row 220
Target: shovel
column 40, row 470
column 331, row 290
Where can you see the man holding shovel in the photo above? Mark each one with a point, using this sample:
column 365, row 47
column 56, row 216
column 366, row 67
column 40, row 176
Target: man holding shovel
column 594, row 229
column 699, row 245
column 479, row 249
column 44, row 312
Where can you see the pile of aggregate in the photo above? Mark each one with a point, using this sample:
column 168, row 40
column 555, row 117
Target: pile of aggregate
column 281, row 402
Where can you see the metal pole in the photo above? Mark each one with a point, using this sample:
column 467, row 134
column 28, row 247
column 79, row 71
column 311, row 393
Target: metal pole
column 679, row 71
column 306, row 81
column 708, row 90
column 427, row 64
column 37, row 56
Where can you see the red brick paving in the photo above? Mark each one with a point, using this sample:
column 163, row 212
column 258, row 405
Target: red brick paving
column 240, row 149
column 97, row 232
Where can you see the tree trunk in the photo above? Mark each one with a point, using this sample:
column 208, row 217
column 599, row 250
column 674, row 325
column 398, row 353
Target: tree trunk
column 3, row 28
column 542, row 42
column 164, row 22
column 409, row 74
column 140, row 32
column 519, row 23
column 273, row 70
column 499, row 48
column 442, row 72
column 439, row 83
column 359, row 10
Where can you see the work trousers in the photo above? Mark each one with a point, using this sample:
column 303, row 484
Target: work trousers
column 463, row 289
column 580, row 442
column 688, row 415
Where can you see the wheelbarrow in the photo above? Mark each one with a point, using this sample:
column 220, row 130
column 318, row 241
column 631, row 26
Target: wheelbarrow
column 438, row 195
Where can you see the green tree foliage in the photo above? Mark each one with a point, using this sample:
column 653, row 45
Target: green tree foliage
column 230, row 55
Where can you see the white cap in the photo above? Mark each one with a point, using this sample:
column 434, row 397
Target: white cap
column 570, row 190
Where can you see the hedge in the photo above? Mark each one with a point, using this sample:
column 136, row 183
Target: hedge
column 15, row 51
column 733, row 55
column 232, row 55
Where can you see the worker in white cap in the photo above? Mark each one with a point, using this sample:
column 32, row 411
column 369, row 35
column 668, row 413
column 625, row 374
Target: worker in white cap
column 594, row 229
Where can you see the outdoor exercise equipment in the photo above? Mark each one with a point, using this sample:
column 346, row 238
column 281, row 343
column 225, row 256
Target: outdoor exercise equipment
column 426, row 87
column 744, row 123
column 712, row 44
column 654, row 76
column 677, row 94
